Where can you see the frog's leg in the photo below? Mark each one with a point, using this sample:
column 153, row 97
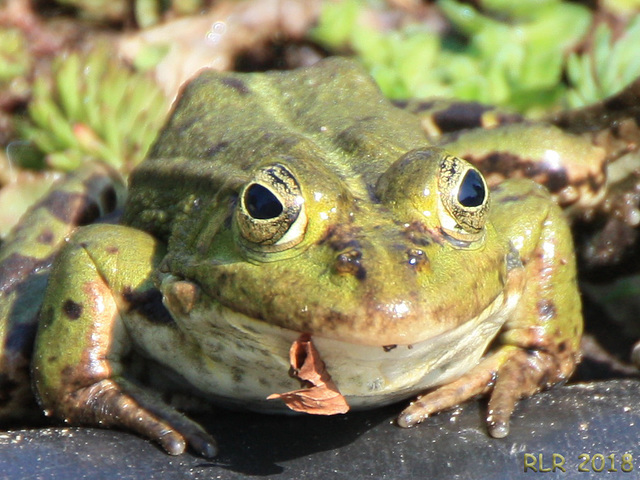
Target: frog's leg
column 539, row 344
column 83, row 340
column 25, row 261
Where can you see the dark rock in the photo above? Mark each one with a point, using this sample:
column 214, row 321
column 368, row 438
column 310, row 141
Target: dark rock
column 600, row 418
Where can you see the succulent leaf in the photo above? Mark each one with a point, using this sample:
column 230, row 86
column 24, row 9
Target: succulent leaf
column 95, row 107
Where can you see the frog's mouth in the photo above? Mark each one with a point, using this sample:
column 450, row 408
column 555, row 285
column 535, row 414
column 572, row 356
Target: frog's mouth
column 244, row 360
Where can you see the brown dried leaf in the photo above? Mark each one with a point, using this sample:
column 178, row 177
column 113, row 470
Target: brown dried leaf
column 322, row 396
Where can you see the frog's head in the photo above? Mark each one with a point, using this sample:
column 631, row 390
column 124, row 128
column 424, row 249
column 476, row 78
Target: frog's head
column 304, row 199
column 299, row 245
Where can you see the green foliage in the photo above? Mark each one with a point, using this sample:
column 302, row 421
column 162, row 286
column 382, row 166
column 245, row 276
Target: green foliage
column 621, row 7
column 94, row 108
column 146, row 12
column 512, row 54
column 14, row 54
column 106, row 10
column 607, row 67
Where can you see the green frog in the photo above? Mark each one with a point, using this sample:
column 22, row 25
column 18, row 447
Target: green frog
column 282, row 206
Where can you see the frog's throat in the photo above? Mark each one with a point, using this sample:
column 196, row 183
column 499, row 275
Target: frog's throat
column 242, row 360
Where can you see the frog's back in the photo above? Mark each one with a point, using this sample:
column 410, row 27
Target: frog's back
column 227, row 123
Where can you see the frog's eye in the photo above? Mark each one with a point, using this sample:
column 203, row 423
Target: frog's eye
column 261, row 203
column 465, row 198
column 271, row 212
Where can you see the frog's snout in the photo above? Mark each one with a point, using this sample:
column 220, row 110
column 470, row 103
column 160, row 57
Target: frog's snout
column 352, row 262
column 365, row 254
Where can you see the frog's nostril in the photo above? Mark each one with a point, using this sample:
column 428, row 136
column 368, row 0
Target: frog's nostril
column 350, row 263
column 417, row 258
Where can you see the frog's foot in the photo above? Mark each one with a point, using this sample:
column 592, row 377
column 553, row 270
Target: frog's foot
column 511, row 373
column 107, row 403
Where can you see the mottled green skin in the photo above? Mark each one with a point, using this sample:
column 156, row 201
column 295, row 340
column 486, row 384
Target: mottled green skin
column 378, row 263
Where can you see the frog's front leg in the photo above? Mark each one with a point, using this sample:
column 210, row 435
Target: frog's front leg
column 82, row 339
column 539, row 344
column 26, row 256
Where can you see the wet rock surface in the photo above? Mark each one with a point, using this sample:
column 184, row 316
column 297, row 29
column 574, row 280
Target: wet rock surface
column 600, row 420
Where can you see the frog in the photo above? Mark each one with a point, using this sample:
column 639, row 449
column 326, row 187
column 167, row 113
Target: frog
column 280, row 207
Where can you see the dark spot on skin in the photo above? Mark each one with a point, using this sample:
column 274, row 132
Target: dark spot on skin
column 67, row 373
column 237, row 84
column 341, row 238
column 45, row 237
column 388, row 348
column 508, row 165
column 88, row 215
column 546, row 309
column 71, row 208
column 556, row 180
column 237, row 374
column 112, row 249
column 52, row 358
column 459, row 116
column 148, row 303
column 562, row 347
column 400, row 103
column 332, row 319
column 16, row 268
column 214, row 149
column 418, row 234
column 71, row 309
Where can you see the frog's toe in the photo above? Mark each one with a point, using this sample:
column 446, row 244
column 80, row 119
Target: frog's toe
column 176, row 434
column 111, row 403
column 523, row 373
column 165, row 425
column 510, row 373
column 190, row 433
column 475, row 382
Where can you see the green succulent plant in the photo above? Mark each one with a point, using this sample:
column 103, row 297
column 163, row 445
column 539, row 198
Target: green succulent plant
column 607, row 67
column 146, row 12
column 93, row 107
column 510, row 54
column 15, row 59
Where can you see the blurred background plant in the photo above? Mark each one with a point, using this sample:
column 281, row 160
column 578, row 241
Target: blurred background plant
column 15, row 61
column 606, row 67
column 92, row 107
column 512, row 54
column 80, row 101
column 532, row 56
column 145, row 12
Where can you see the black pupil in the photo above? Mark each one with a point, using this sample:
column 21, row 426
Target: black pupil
column 472, row 192
column 261, row 203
